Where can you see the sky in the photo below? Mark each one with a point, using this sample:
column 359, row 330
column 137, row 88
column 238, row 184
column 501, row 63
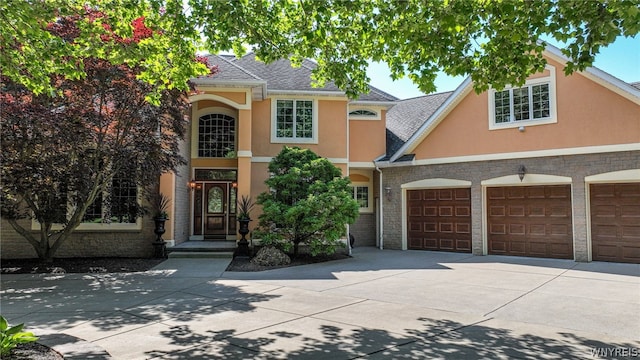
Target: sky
column 620, row 59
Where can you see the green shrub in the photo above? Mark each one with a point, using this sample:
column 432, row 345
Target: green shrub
column 12, row 336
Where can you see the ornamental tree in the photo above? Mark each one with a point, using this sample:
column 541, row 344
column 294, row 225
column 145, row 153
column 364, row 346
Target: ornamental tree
column 496, row 42
column 308, row 203
column 83, row 154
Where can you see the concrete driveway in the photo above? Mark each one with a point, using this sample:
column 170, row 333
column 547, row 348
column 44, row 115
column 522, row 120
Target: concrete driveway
column 380, row 304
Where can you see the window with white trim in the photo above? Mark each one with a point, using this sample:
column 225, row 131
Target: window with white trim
column 295, row 121
column 216, row 136
column 117, row 204
column 532, row 104
column 361, row 195
column 367, row 113
column 525, row 103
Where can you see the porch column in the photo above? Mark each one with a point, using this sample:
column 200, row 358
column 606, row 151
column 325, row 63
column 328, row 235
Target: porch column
column 244, row 153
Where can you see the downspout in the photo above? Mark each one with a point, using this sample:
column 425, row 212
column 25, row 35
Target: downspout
column 381, row 197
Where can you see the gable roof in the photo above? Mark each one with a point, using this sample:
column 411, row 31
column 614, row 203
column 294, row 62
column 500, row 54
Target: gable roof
column 629, row 91
column 279, row 77
column 406, row 117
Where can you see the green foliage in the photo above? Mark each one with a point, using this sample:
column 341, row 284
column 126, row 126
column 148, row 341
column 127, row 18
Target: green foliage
column 309, row 203
column 496, row 42
column 61, row 154
column 12, row 336
column 160, row 205
column 245, row 205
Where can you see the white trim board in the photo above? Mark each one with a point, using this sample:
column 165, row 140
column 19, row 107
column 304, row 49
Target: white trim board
column 519, row 155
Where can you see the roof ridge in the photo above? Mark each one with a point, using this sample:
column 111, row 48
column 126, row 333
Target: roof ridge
column 232, row 63
column 427, row 95
column 382, row 92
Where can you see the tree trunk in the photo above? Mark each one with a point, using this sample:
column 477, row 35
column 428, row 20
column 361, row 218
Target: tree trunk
column 295, row 249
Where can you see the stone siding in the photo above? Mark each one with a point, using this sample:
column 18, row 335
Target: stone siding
column 577, row 167
column 364, row 230
column 83, row 243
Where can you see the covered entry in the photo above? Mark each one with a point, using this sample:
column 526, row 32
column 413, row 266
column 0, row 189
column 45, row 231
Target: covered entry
column 439, row 219
column 530, row 221
column 214, row 204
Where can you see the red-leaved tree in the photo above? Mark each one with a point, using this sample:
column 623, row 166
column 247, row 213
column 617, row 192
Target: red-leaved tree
column 82, row 154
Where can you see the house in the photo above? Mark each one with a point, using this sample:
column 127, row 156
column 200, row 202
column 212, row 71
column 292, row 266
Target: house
column 550, row 169
column 240, row 119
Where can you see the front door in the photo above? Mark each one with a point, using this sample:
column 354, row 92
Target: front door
column 214, row 210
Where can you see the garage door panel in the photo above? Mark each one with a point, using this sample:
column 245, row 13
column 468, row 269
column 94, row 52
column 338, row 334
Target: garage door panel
column 445, row 194
column 497, row 229
column 497, row 211
column 415, row 242
column 445, row 211
column 631, row 232
column 517, row 247
column 445, row 219
column 515, row 192
column 414, row 195
column 615, row 222
column 631, row 254
column 630, row 211
column 463, row 245
column 516, row 210
column 463, row 228
column 415, row 211
column 517, row 229
column 430, row 211
column 537, row 221
column 559, row 250
column 538, row 248
column 463, row 211
column 496, row 193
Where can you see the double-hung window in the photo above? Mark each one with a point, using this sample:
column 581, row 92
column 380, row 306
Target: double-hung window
column 295, row 121
column 117, row 204
column 361, row 195
column 532, row 104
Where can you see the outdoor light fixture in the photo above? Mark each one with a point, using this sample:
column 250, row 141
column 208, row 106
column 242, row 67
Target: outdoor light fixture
column 521, row 171
column 234, row 184
column 192, row 185
column 387, row 191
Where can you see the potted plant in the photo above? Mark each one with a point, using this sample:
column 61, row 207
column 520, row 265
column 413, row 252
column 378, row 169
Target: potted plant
column 160, row 205
column 244, row 206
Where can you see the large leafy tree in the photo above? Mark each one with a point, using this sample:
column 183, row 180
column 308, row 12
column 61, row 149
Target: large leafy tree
column 496, row 42
column 60, row 153
column 309, row 202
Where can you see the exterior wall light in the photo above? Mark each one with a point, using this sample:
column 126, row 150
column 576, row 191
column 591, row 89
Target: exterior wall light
column 387, row 192
column 521, row 171
column 192, row 185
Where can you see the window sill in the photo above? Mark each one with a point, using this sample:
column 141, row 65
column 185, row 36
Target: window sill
column 525, row 123
column 277, row 140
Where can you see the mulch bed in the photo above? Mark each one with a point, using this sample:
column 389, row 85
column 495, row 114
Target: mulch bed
column 33, row 351
column 78, row 265
column 245, row 265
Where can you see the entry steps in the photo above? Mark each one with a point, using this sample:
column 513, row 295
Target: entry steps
column 201, row 249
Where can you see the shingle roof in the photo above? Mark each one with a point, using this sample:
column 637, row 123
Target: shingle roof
column 280, row 75
column 636, row 85
column 406, row 117
column 228, row 70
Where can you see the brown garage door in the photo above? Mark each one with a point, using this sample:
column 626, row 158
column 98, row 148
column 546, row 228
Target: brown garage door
column 615, row 222
column 530, row 221
column 439, row 219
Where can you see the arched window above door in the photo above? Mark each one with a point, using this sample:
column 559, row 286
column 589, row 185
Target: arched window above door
column 217, row 136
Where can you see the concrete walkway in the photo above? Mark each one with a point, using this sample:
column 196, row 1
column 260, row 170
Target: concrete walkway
column 376, row 305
